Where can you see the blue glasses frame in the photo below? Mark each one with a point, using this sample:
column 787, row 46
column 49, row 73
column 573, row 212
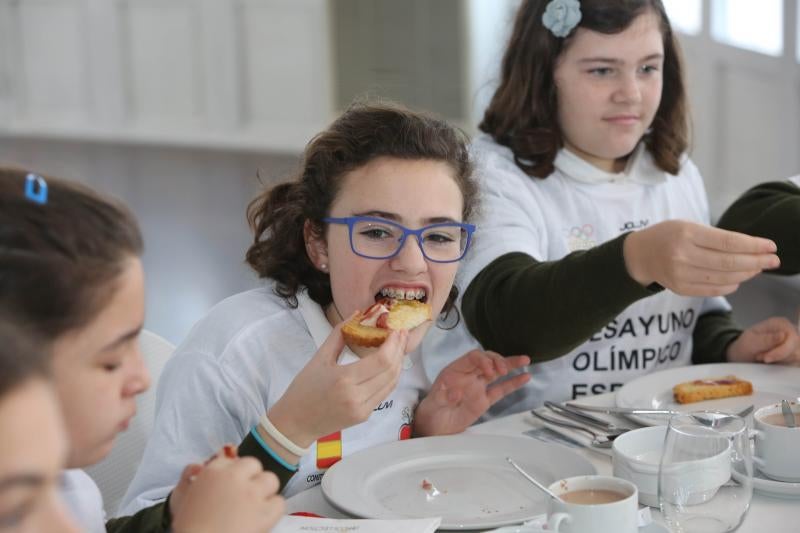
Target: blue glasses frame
column 350, row 222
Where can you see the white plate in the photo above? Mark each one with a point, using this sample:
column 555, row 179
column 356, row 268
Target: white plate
column 478, row 488
column 773, row 487
column 537, row 526
column 771, row 383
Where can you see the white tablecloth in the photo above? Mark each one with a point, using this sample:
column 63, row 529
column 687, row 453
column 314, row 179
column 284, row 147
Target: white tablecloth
column 766, row 515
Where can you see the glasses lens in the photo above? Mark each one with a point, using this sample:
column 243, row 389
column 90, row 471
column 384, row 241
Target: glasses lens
column 445, row 242
column 376, row 239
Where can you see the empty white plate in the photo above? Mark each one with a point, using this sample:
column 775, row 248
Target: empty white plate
column 475, row 488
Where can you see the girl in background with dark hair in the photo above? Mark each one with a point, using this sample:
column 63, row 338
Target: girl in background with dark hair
column 70, row 273
column 595, row 256
column 33, row 448
column 269, row 367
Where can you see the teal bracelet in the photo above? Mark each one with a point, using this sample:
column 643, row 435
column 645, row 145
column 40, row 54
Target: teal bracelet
column 281, row 461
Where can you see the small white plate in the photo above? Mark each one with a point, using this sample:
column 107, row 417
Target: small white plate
column 477, row 488
column 771, row 384
column 773, row 487
column 538, row 527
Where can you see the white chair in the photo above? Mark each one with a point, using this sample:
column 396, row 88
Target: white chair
column 116, row 471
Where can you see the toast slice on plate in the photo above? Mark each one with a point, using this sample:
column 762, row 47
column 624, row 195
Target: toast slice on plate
column 699, row 390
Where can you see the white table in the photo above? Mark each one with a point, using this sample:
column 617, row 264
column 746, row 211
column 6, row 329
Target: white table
column 766, row 515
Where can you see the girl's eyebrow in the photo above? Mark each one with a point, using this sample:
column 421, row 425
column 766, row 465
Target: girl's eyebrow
column 24, row 479
column 616, row 61
column 397, row 218
column 123, row 338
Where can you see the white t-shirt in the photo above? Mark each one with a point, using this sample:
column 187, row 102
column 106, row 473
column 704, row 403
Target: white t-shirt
column 577, row 207
column 83, row 500
column 233, row 366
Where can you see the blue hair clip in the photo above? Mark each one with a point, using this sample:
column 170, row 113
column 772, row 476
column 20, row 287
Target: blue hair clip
column 36, row 189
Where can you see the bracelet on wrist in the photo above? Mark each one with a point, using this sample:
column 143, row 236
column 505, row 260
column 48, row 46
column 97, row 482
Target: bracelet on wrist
column 280, row 438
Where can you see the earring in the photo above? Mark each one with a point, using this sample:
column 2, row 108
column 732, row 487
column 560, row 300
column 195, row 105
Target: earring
column 324, row 267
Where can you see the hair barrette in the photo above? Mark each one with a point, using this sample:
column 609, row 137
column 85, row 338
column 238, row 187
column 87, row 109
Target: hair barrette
column 561, row 16
column 36, row 188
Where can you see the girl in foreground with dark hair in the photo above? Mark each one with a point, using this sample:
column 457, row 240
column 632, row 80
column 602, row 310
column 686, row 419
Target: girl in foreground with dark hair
column 30, row 467
column 71, row 274
column 595, row 256
column 269, row 367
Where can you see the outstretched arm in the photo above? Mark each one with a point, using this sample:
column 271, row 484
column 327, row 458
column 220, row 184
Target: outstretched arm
column 770, row 210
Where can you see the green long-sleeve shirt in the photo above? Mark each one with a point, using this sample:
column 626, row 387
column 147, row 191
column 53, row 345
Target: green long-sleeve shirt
column 497, row 304
column 154, row 519
column 770, row 210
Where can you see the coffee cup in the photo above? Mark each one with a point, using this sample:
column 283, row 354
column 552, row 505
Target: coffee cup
column 593, row 504
column 777, row 444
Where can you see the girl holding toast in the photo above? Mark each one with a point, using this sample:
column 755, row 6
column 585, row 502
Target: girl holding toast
column 371, row 229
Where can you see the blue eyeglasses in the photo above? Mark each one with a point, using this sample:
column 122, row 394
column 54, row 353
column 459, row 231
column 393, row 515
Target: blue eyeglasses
column 378, row 238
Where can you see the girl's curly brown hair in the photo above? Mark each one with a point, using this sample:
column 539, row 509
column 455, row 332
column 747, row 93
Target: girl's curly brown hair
column 364, row 132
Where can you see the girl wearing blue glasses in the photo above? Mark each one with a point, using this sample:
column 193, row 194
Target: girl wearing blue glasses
column 379, row 208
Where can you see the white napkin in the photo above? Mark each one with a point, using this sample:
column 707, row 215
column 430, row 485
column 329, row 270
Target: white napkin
column 304, row 524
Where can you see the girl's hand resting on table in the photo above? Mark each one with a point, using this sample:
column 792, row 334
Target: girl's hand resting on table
column 775, row 340
column 228, row 493
column 326, row 397
column 463, row 391
column 692, row 259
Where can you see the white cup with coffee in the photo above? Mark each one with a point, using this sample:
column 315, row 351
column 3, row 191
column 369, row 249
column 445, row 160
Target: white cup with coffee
column 593, row 504
column 777, row 444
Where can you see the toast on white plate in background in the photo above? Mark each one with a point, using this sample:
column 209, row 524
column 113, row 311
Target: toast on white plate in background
column 699, row 390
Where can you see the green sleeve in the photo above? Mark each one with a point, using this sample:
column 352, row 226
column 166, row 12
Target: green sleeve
column 770, row 210
column 251, row 447
column 711, row 337
column 153, row 519
column 518, row 305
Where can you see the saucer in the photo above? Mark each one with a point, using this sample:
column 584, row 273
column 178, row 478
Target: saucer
column 773, row 487
column 535, row 526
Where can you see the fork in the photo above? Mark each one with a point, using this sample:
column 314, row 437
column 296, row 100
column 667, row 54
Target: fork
column 599, row 440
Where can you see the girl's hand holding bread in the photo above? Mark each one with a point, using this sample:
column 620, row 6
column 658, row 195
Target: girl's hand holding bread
column 326, row 397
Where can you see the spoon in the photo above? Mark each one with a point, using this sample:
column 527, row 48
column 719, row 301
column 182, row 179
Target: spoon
column 529, row 478
column 788, row 415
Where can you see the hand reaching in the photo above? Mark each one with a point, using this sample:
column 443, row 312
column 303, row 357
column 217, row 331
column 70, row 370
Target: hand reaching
column 774, row 340
column 463, row 391
column 227, row 494
column 696, row 260
column 326, row 397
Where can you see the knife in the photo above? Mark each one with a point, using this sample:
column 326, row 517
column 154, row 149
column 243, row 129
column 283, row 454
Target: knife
column 623, row 410
column 571, row 412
